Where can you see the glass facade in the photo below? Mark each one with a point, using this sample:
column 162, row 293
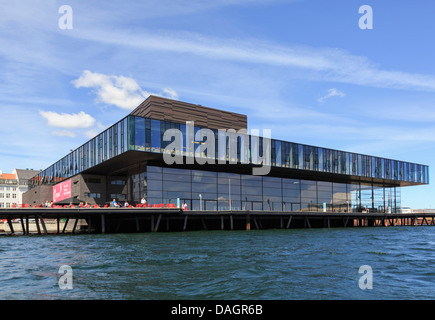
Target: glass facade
column 230, row 191
column 206, row 190
column 144, row 134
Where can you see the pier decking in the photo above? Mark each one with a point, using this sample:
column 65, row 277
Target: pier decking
column 117, row 220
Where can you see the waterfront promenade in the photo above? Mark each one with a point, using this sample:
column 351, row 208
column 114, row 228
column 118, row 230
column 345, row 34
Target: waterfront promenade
column 61, row 220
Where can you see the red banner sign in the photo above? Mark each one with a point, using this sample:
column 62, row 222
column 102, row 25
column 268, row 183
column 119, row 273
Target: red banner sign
column 62, row 191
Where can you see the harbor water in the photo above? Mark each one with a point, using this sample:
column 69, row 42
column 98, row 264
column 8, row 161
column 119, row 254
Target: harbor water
column 224, row 265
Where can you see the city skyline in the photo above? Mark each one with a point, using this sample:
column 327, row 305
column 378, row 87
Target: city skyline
column 324, row 80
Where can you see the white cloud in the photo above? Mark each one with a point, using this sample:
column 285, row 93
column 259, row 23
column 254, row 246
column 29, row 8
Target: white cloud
column 64, row 133
column 121, row 91
column 170, row 93
column 68, row 121
column 331, row 93
column 91, row 133
column 316, row 63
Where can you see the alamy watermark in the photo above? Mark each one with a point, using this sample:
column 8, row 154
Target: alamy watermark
column 229, row 142
column 66, row 20
column 66, row 277
column 366, row 20
column 366, row 280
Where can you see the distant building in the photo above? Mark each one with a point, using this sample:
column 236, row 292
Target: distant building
column 13, row 185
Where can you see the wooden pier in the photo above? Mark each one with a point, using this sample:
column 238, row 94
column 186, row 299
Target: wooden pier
column 120, row 220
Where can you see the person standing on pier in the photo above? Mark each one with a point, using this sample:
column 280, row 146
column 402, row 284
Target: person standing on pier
column 114, row 203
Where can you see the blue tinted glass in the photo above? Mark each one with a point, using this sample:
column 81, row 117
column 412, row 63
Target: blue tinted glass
column 155, row 135
column 139, row 133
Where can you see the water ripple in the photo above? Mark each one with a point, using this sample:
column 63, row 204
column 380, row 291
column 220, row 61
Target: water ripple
column 266, row 264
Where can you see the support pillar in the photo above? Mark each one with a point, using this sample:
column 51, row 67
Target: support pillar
column 307, row 222
column 203, row 223
column 37, row 225
column 22, row 225
column 289, row 221
column 10, row 225
column 248, row 222
column 158, row 223
column 75, row 225
column 137, row 224
column 43, row 225
column 185, row 223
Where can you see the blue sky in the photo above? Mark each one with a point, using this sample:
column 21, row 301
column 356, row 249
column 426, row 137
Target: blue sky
column 302, row 68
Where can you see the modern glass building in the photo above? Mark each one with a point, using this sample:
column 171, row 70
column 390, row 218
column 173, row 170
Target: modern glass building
column 126, row 161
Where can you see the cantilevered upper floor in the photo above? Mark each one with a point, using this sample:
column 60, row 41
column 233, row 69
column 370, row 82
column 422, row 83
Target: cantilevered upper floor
column 138, row 140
